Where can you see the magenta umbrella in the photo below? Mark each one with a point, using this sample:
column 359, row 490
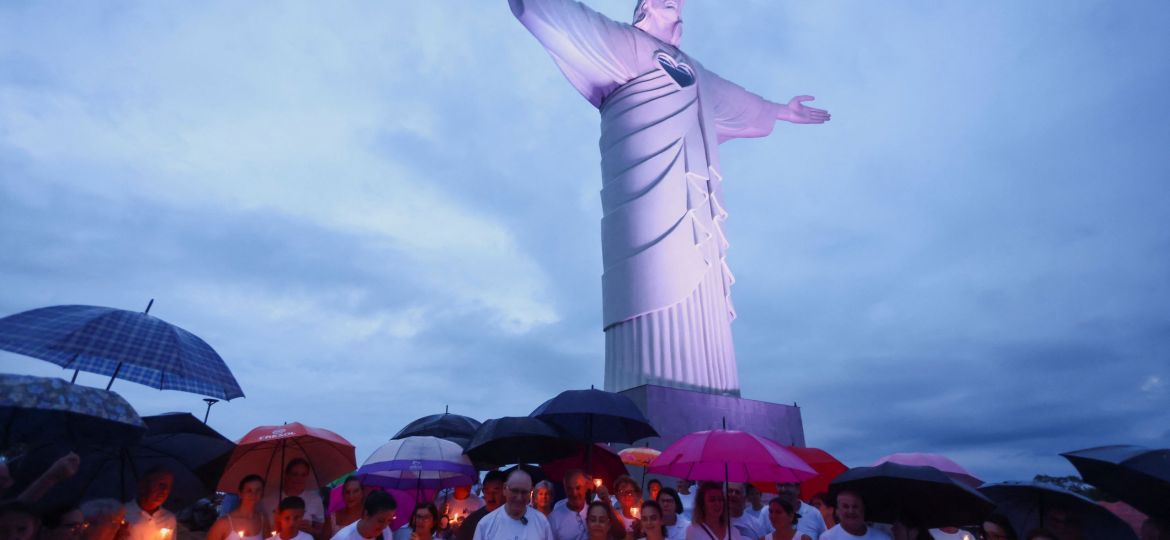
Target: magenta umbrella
column 730, row 456
column 938, row 461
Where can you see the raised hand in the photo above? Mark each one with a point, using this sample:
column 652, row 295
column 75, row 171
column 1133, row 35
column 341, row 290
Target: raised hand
column 797, row 113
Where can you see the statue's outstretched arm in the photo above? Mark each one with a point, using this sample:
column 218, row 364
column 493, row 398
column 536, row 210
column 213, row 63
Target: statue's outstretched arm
column 797, row 113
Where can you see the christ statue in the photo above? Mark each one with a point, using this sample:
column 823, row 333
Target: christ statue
column 666, row 287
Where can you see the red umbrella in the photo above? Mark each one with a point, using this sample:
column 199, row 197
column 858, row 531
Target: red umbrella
column 730, row 456
column 267, row 449
column 605, row 464
column 826, row 466
column 938, row 461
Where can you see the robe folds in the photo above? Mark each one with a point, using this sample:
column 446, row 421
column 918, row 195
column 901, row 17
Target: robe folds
column 666, row 287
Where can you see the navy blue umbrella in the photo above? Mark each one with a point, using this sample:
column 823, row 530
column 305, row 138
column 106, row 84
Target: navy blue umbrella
column 178, row 442
column 1137, row 475
column 517, row 439
column 122, row 344
column 453, row 427
column 918, row 496
column 35, row 411
column 1026, row 504
column 592, row 416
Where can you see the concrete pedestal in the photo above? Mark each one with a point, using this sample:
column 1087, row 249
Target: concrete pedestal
column 675, row 412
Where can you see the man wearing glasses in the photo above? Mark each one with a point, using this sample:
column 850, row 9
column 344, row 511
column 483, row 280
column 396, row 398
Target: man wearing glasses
column 516, row 519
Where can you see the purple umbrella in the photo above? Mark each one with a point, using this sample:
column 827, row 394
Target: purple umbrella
column 418, row 463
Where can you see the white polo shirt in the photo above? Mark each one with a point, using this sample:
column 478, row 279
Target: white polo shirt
column 567, row 524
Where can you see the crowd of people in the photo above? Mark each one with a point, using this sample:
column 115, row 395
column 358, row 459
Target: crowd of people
column 507, row 507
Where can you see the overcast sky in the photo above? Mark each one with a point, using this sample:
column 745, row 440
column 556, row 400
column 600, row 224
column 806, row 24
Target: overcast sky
column 376, row 209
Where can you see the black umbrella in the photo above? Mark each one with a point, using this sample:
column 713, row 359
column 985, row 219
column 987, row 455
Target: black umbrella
column 916, row 496
column 43, row 410
column 453, row 427
column 592, row 416
column 195, row 454
column 517, row 439
column 1025, row 504
column 1137, row 475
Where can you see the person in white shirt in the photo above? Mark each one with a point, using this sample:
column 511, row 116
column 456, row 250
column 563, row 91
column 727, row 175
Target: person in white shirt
column 568, row 515
column 146, row 519
column 247, row 521
column 755, row 506
column 378, row 512
column 287, row 519
column 650, row 524
column 950, row 533
column 710, row 514
column 671, row 504
column 295, row 482
column 516, row 519
column 783, row 518
column 810, row 522
column 745, row 523
column 458, row 503
column 687, row 496
column 851, row 511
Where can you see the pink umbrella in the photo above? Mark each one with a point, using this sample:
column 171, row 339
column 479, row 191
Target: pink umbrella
column 731, row 456
column 938, row 461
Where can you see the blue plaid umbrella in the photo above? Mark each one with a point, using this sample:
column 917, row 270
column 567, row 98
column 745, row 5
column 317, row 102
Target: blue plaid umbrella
column 122, row 344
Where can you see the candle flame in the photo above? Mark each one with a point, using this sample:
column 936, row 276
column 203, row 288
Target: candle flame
column 596, row 482
column 164, row 532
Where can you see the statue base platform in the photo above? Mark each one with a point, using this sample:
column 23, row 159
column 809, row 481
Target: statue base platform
column 675, row 412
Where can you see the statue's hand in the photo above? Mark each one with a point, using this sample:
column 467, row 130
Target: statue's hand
column 797, row 113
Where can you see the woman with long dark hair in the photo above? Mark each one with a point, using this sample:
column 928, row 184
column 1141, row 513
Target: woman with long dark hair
column 710, row 515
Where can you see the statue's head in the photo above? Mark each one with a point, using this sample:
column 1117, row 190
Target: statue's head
column 660, row 18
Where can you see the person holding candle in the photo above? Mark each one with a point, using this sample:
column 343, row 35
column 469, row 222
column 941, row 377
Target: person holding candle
column 295, row 481
column 146, row 519
column 247, row 521
column 104, row 519
column 287, row 519
column 672, row 507
column 458, row 503
column 629, row 499
column 493, row 498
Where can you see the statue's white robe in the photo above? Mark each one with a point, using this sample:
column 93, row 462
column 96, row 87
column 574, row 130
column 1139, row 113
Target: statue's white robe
column 666, row 286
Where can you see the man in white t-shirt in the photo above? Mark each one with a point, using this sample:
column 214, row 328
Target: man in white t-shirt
column 747, row 524
column 685, row 494
column 458, row 502
column 378, row 512
column 568, row 515
column 516, row 519
column 851, row 511
column 146, row 519
column 950, row 533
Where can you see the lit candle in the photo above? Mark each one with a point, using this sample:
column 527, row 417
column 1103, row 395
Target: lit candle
column 164, row 532
column 634, row 512
column 596, row 482
column 240, row 534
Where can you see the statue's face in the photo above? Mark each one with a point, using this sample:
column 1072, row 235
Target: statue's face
column 666, row 14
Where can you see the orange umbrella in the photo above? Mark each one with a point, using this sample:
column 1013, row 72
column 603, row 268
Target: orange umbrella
column 638, row 456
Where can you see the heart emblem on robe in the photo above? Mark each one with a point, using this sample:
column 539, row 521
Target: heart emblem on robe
column 679, row 71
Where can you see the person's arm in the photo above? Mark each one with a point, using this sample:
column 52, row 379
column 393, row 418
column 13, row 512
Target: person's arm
column 61, row 470
column 594, row 52
column 742, row 114
column 218, row 530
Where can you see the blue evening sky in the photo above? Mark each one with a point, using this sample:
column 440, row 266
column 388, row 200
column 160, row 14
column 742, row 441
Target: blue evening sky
column 376, row 209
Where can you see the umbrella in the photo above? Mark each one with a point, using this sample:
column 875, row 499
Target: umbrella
column 42, row 410
column 593, row 416
column 133, row 346
column 178, row 442
column 418, row 463
column 638, row 456
column 454, row 427
column 730, row 456
column 517, row 439
column 826, row 466
column 917, row 496
column 1137, row 475
column 265, row 450
column 1026, row 503
column 597, row 462
column 938, row 461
